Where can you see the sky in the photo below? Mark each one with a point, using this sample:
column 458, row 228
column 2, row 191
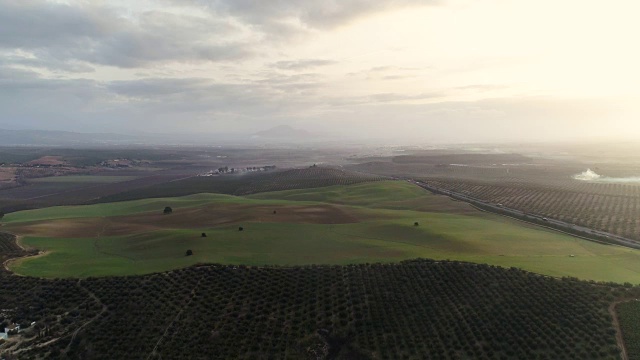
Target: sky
column 419, row 70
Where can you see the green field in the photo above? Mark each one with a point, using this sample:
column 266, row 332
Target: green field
column 363, row 223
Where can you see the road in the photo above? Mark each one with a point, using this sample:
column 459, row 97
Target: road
column 592, row 234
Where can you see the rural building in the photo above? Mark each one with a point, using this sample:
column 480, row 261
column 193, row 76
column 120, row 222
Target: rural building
column 11, row 328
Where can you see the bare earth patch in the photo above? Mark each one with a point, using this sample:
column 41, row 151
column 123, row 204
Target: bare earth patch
column 48, row 160
column 220, row 214
column 209, row 216
column 7, row 174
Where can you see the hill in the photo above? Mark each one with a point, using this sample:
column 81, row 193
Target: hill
column 354, row 224
column 416, row 310
column 249, row 183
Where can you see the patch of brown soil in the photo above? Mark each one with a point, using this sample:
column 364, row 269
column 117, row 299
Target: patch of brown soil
column 7, row 174
column 219, row 214
column 48, row 160
column 79, row 228
column 209, row 216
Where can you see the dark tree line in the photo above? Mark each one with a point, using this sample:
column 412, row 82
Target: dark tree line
column 411, row 310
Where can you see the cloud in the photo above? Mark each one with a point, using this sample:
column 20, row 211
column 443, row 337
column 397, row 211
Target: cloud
column 302, row 64
column 490, row 120
column 391, row 97
column 396, row 77
column 301, row 83
column 76, row 36
column 287, row 18
column 312, row 13
column 481, row 87
column 29, row 101
column 379, row 98
column 37, row 24
column 206, row 106
column 45, row 62
column 207, row 65
column 85, row 32
column 388, row 72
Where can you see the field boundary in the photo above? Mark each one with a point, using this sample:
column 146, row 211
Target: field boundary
column 613, row 311
column 579, row 231
column 27, row 253
column 542, row 226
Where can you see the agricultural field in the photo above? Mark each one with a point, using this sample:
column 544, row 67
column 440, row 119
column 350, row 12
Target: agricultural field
column 629, row 318
column 38, row 189
column 84, row 179
column 542, row 186
column 410, row 310
column 7, row 177
column 79, row 189
column 613, row 208
column 250, row 183
column 361, row 223
column 41, row 177
column 317, row 263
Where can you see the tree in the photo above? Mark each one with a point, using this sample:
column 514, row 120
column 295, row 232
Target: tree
column 168, row 210
column 274, row 211
column 416, row 224
column 189, row 252
column 1, row 214
column 203, row 235
column 240, row 228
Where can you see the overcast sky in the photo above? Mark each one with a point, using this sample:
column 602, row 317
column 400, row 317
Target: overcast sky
column 428, row 70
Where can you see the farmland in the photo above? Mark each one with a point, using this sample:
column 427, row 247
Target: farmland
column 136, row 184
column 629, row 317
column 613, row 208
column 35, row 178
column 545, row 187
column 414, row 309
column 361, row 223
column 84, row 179
column 243, row 184
column 66, row 190
column 313, row 262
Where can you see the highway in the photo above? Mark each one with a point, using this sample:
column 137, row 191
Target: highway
column 591, row 234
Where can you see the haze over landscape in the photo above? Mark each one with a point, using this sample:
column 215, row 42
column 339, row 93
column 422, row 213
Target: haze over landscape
column 437, row 71
column 319, row 180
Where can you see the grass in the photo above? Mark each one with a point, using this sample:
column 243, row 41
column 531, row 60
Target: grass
column 362, row 223
column 381, row 194
column 117, row 209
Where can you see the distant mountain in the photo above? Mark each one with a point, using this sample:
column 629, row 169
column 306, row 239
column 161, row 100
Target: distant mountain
column 59, row 138
column 283, row 132
column 276, row 135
